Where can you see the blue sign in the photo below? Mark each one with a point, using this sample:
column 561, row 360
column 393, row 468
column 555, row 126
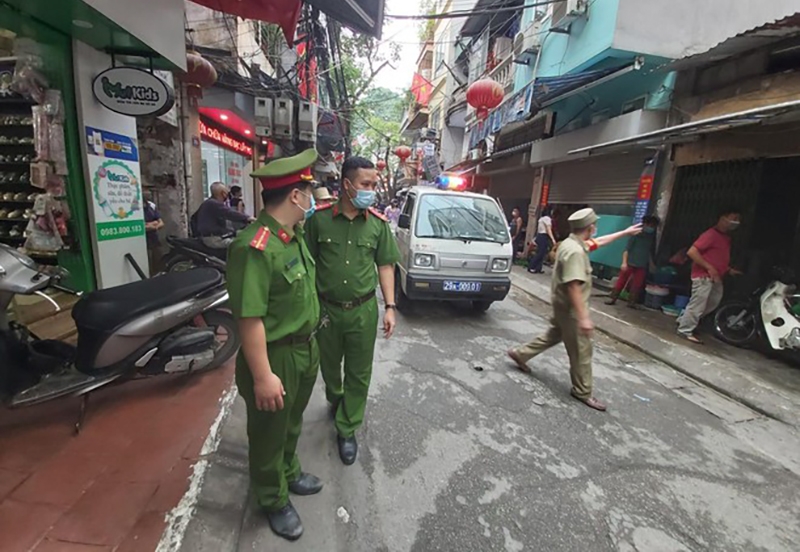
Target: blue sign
column 640, row 210
column 113, row 146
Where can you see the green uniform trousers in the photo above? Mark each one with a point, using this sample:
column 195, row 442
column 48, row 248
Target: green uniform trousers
column 563, row 327
column 351, row 335
column 273, row 436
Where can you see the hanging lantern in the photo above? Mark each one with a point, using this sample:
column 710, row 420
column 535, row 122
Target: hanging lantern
column 199, row 74
column 403, row 152
column 484, row 95
column 381, row 165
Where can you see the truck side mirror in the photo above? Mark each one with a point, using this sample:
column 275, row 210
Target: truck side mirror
column 404, row 222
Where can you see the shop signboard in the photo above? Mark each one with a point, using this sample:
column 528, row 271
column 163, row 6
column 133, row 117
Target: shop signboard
column 134, row 92
column 114, row 184
column 222, row 138
column 645, row 191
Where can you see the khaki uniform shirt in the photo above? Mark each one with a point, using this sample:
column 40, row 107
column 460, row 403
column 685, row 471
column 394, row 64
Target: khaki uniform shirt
column 275, row 283
column 572, row 264
column 348, row 251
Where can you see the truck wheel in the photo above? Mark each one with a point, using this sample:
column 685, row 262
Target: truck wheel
column 402, row 300
column 481, row 306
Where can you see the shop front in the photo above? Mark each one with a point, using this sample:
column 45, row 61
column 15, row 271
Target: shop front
column 70, row 191
column 227, row 158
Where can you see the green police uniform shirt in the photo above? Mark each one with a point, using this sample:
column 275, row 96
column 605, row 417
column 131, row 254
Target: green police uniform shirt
column 348, row 251
column 572, row 265
column 271, row 276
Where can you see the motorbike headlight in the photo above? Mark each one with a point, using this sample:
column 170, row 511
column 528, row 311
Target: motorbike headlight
column 500, row 265
column 423, row 260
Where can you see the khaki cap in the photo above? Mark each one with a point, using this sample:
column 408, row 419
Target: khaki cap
column 322, row 194
column 582, row 218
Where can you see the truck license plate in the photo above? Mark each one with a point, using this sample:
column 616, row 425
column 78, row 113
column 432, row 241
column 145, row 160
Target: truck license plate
column 462, row 287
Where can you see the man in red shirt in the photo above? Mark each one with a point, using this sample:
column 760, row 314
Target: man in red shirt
column 711, row 256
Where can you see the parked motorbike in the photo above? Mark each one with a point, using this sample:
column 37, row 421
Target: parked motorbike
column 169, row 324
column 188, row 253
column 771, row 317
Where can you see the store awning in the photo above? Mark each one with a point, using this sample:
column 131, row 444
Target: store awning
column 363, row 16
column 483, row 15
column 549, row 90
column 769, row 33
column 687, row 132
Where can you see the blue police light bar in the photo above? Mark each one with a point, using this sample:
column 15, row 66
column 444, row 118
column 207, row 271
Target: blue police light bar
column 451, row 182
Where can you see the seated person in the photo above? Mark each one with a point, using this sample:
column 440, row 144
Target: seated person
column 213, row 216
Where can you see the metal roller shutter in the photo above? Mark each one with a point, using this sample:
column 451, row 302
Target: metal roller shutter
column 608, row 179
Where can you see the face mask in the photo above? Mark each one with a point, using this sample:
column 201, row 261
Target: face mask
column 649, row 230
column 733, row 225
column 312, row 206
column 364, row 199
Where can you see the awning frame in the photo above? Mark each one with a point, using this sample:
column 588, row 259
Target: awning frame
column 690, row 131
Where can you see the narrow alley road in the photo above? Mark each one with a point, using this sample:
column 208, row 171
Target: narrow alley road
column 463, row 453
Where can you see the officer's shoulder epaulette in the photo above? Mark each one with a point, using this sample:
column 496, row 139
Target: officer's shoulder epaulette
column 324, row 207
column 261, row 239
column 378, row 214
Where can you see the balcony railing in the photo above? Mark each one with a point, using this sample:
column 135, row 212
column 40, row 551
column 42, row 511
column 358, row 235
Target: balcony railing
column 504, row 74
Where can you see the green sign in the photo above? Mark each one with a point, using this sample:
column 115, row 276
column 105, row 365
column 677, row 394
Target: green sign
column 119, row 229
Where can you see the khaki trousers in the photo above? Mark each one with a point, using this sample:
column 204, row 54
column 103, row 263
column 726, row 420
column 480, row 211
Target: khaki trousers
column 563, row 327
column 706, row 297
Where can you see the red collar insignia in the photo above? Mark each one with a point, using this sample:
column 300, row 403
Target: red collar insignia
column 261, row 239
column 284, row 236
column 378, row 214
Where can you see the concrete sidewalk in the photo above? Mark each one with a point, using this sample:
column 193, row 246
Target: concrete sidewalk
column 765, row 385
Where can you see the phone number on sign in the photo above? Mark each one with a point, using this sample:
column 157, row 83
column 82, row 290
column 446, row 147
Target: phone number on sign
column 122, row 231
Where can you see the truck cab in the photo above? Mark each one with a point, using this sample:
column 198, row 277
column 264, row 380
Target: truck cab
column 454, row 246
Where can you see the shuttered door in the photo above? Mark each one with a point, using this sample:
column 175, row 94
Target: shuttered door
column 602, row 180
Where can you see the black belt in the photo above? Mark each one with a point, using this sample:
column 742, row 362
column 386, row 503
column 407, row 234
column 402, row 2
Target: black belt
column 348, row 305
column 292, row 340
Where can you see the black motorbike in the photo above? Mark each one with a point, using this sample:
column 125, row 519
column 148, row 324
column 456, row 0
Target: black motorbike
column 188, row 253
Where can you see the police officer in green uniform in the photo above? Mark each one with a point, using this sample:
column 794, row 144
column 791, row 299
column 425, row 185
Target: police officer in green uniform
column 571, row 288
column 349, row 240
column 271, row 282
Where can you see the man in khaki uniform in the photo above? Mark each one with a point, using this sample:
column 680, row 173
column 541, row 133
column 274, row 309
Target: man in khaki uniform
column 571, row 289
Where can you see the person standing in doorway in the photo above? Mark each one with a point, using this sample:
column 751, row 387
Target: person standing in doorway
column 235, row 200
column 515, row 229
column 711, row 257
column 152, row 224
column 355, row 250
column 544, row 240
column 638, row 257
column 271, row 281
column 571, row 289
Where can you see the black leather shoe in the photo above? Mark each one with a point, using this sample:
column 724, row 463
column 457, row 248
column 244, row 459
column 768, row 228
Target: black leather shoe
column 286, row 523
column 305, row 485
column 348, row 449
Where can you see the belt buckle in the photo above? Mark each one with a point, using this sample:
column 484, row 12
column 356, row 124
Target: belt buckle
column 348, row 305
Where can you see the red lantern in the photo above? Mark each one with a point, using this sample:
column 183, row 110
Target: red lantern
column 403, row 152
column 199, row 74
column 381, row 165
column 484, row 95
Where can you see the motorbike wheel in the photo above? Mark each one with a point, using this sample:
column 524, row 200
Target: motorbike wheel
column 735, row 324
column 226, row 333
column 179, row 263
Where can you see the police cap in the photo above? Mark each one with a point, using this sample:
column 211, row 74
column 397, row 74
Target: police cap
column 286, row 171
column 582, row 218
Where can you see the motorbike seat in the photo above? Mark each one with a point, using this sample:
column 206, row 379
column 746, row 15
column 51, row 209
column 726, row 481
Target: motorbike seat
column 196, row 244
column 107, row 309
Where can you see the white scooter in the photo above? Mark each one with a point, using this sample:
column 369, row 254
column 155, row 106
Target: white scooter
column 769, row 317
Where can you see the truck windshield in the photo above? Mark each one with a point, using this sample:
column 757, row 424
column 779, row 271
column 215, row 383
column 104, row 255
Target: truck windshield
column 458, row 217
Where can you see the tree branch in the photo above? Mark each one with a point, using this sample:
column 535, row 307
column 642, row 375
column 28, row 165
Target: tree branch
column 363, row 88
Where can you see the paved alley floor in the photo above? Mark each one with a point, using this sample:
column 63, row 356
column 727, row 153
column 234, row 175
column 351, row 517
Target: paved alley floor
column 463, row 453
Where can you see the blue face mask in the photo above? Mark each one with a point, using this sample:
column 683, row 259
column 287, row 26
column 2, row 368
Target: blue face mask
column 311, row 209
column 364, row 199
column 649, row 230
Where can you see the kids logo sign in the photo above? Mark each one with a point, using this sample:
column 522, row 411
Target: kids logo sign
column 116, row 190
column 134, row 92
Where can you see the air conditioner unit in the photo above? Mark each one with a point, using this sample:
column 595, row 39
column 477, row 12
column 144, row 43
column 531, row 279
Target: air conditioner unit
column 263, row 117
column 528, row 41
column 284, row 118
column 566, row 13
column 307, row 121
